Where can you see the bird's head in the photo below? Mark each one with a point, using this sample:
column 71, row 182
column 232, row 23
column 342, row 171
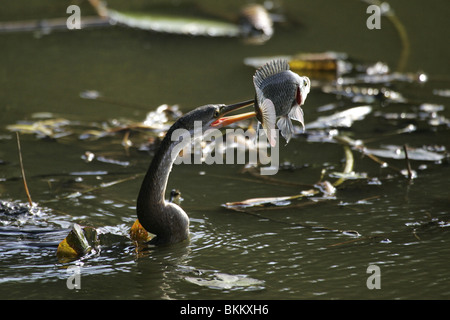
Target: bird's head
column 214, row 116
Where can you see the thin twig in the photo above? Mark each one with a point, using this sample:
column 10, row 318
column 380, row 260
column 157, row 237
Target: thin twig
column 23, row 171
column 408, row 165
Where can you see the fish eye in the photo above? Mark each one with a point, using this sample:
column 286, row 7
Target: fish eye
column 305, row 82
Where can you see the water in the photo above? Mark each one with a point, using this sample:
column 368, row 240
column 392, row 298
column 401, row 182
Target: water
column 303, row 252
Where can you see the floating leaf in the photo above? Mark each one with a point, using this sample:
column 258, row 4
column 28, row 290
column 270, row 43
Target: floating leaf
column 174, row 24
column 348, row 176
column 79, row 242
column 397, row 152
column 66, row 252
column 277, row 201
column 255, row 23
column 226, row 281
column 360, row 94
column 340, row 119
column 30, row 129
column 322, row 65
column 321, row 61
column 156, row 121
column 138, row 233
column 47, row 128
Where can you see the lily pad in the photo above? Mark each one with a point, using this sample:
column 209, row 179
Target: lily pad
column 174, row 24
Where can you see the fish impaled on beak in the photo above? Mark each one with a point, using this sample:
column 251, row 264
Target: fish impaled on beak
column 223, row 120
column 279, row 94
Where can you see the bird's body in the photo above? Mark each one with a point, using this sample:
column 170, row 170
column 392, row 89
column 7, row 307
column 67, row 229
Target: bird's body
column 173, row 225
column 279, row 94
column 168, row 221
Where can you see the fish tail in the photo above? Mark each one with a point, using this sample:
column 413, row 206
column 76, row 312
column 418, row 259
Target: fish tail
column 286, row 127
column 296, row 113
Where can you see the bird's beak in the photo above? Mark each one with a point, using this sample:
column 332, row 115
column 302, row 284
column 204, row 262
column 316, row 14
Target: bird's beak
column 225, row 121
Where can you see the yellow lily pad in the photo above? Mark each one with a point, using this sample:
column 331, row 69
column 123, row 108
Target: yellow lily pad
column 65, row 251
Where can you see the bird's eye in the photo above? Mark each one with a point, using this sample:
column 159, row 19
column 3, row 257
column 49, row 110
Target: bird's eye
column 216, row 113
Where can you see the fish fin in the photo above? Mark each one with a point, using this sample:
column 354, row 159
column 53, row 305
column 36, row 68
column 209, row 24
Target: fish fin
column 269, row 69
column 269, row 118
column 286, row 127
column 259, row 95
column 258, row 129
column 296, row 113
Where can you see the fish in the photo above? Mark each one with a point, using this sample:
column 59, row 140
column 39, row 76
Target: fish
column 280, row 93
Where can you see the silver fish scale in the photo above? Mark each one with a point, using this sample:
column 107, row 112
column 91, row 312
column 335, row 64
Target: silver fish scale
column 281, row 88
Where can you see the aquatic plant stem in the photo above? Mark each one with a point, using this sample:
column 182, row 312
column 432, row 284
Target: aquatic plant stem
column 361, row 148
column 401, row 31
column 23, row 171
column 408, row 164
column 349, row 161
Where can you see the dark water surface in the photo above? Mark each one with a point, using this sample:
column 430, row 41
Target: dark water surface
column 299, row 252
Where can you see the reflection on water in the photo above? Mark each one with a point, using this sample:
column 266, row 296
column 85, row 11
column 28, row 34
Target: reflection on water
column 85, row 159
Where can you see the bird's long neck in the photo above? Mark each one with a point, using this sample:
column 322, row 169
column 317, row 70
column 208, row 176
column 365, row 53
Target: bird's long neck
column 167, row 220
